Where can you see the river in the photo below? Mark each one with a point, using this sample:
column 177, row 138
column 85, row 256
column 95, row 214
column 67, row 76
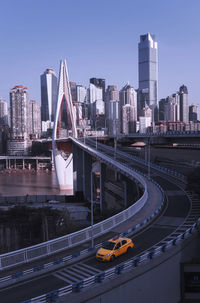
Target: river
column 23, row 183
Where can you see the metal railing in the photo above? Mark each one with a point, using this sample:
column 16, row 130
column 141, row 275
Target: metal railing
column 140, row 160
column 132, row 263
column 47, row 248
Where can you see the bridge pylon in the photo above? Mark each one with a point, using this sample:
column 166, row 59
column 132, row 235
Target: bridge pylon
column 64, row 126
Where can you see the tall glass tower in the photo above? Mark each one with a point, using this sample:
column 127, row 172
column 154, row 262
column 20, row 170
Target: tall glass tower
column 48, row 95
column 148, row 71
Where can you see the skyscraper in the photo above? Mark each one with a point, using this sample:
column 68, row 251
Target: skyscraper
column 81, row 93
column 19, row 120
column 128, row 119
column 113, row 121
column 184, row 109
column 34, row 119
column 3, row 112
column 148, row 72
column 193, row 113
column 96, row 104
column 128, row 96
column 73, row 91
column 98, row 82
column 48, row 95
column 112, row 109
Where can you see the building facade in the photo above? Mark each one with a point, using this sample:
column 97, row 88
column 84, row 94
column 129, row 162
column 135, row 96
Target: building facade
column 113, row 121
column 128, row 96
column 193, row 113
column 101, row 83
column 48, row 82
column 128, row 121
column 18, row 143
column 112, row 109
column 3, row 112
column 184, row 107
column 148, row 73
column 34, row 119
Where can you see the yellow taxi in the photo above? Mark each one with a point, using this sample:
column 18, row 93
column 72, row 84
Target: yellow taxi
column 113, row 248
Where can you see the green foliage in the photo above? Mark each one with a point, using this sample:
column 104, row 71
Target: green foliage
column 34, row 225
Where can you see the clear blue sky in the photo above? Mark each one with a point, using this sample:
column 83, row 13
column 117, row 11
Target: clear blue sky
column 98, row 39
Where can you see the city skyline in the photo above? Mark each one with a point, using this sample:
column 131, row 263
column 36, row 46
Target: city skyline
column 99, row 51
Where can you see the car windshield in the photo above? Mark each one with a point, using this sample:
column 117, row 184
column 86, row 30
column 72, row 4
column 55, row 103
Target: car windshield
column 108, row 245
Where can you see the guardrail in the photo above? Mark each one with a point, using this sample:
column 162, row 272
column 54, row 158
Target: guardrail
column 186, row 133
column 47, row 248
column 116, row 270
column 61, row 261
column 32, row 199
column 140, row 160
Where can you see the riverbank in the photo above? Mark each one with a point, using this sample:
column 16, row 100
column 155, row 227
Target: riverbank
column 27, row 182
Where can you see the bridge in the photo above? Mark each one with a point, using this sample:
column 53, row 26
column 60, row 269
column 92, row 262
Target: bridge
column 163, row 222
column 165, row 226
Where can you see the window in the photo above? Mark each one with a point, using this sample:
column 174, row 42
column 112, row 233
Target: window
column 124, row 242
column 118, row 245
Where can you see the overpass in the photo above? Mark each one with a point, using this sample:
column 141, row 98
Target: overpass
column 175, row 226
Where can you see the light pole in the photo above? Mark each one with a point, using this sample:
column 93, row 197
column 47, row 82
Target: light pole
column 96, row 132
column 149, row 158
column 84, row 136
column 92, row 206
column 115, row 139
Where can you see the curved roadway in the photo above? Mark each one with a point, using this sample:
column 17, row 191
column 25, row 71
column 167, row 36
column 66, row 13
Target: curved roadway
column 176, row 213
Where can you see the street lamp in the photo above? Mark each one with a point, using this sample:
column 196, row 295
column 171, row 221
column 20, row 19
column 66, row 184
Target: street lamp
column 149, row 158
column 96, row 132
column 92, row 208
column 84, row 135
column 115, row 139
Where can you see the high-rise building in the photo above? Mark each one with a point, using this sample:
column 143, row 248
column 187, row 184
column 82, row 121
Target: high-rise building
column 193, row 113
column 128, row 119
column 113, row 121
column 184, row 109
column 73, row 91
column 94, row 93
column 144, row 124
column 148, row 73
column 96, row 105
column 98, row 82
column 112, row 93
column 128, row 96
column 171, row 109
column 3, row 112
column 81, row 93
column 162, row 109
column 34, row 119
column 112, row 109
column 146, row 112
column 48, row 95
column 19, row 120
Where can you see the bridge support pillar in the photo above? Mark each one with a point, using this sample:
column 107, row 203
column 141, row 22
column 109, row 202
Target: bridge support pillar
column 102, row 180
column 37, row 167
column 78, row 168
column 86, row 180
column 125, row 193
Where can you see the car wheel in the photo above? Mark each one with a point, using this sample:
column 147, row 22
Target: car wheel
column 128, row 249
column 112, row 258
